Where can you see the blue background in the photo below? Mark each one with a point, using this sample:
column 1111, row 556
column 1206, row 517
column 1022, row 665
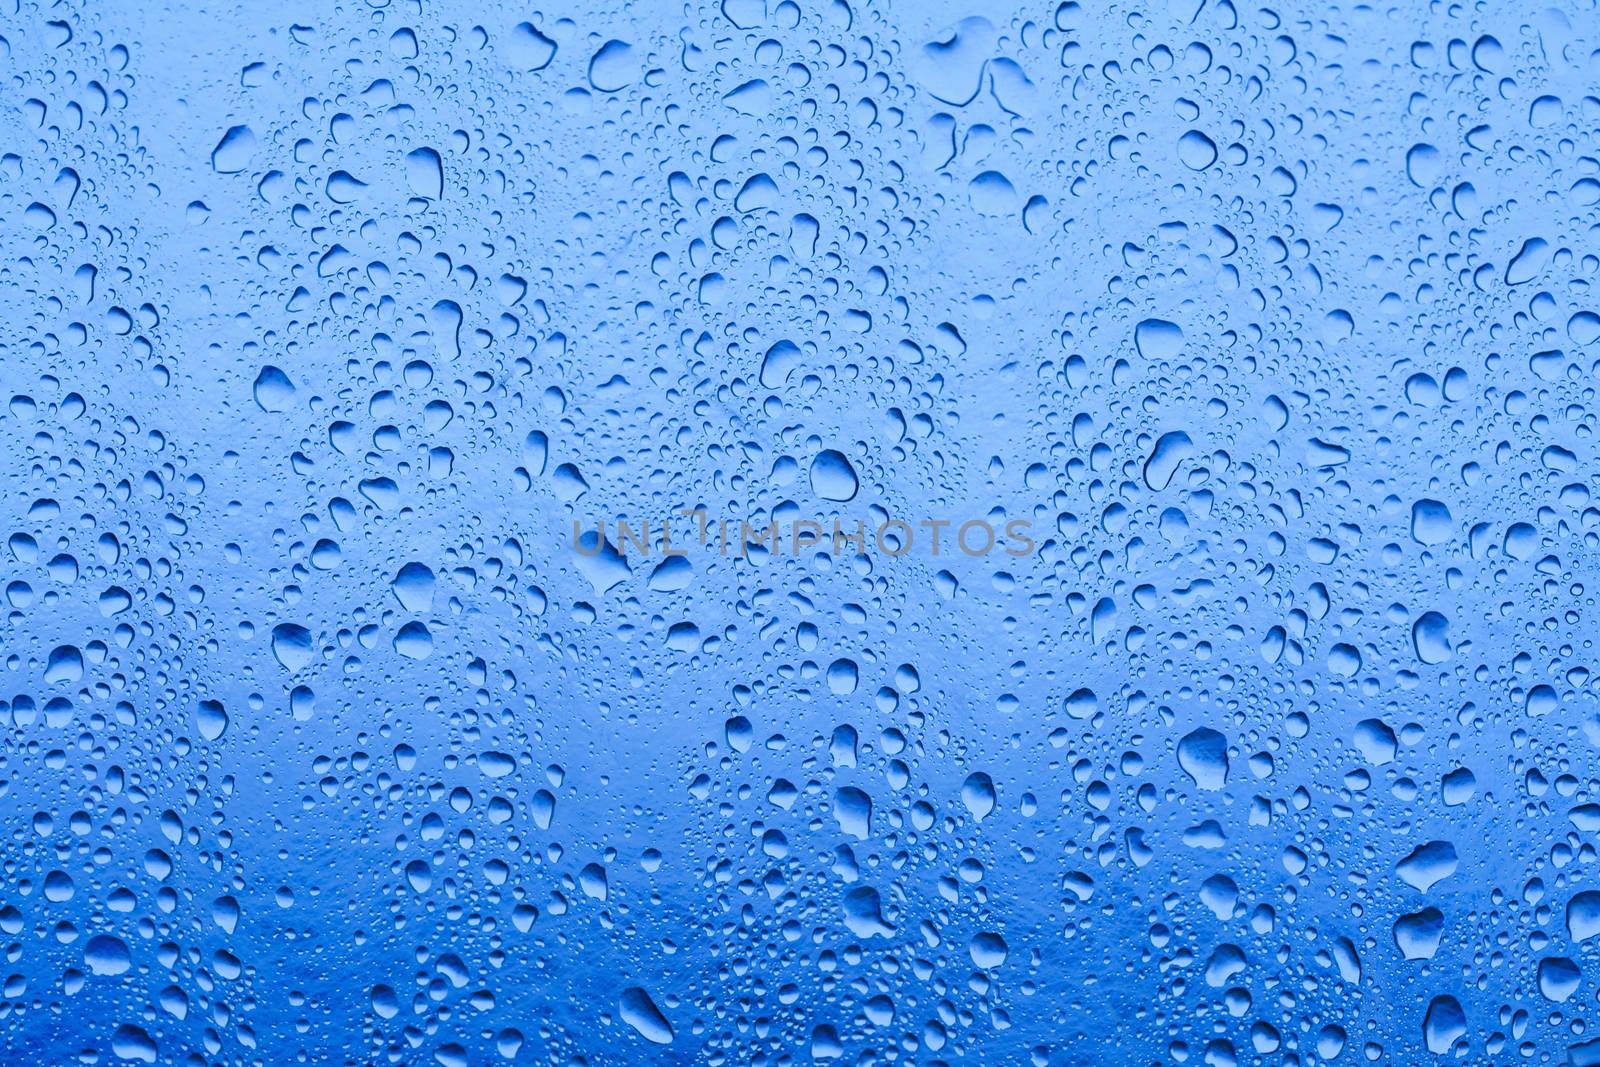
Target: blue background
column 322, row 323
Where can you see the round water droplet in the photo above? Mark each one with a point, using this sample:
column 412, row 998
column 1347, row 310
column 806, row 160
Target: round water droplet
column 832, row 476
column 1196, row 150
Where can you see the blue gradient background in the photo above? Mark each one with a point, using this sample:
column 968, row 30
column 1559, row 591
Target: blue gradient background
column 323, row 323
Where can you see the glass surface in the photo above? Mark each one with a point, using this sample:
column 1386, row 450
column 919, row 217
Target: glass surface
column 799, row 531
